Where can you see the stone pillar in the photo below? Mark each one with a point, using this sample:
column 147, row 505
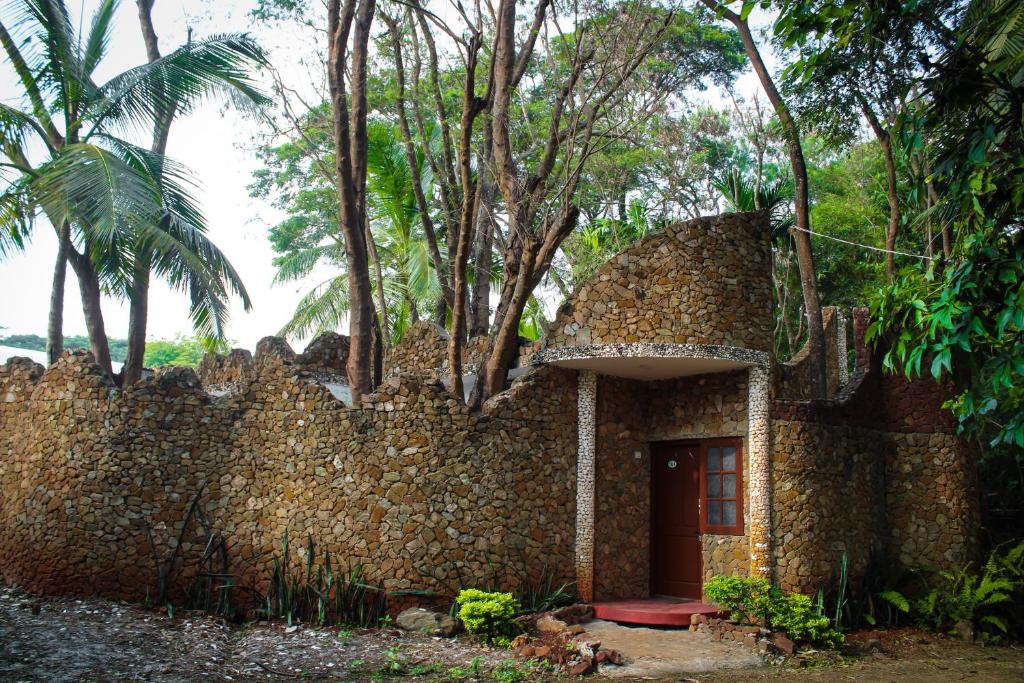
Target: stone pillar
column 841, row 351
column 760, row 484
column 585, row 480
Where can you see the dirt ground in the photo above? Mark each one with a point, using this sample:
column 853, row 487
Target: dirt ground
column 908, row 655
column 97, row 640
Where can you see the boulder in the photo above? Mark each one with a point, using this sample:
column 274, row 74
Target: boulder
column 424, row 621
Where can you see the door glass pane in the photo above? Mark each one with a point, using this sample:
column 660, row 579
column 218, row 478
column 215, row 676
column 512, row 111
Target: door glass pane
column 714, row 460
column 715, row 513
column 714, row 486
column 729, row 513
column 728, row 486
column 729, row 459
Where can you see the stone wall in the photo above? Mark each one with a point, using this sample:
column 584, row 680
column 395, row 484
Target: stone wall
column 705, row 281
column 424, row 347
column 632, row 414
column 877, row 469
column 829, row 497
column 96, row 483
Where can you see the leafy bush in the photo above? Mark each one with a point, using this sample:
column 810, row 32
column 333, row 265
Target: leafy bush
column 744, row 596
column 801, row 619
column 796, row 614
column 490, row 615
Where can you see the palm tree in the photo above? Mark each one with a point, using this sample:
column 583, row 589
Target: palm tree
column 111, row 202
column 407, row 281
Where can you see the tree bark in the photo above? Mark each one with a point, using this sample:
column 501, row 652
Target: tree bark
column 55, row 321
column 138, row 313
column 378, row 274
column 885, row 140
column 480, row 312
column 89, row 286
column 350, row 143
column 470, row 108
column 801, row 235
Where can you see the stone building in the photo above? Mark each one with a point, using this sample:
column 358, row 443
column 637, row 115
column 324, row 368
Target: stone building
column 648, row 442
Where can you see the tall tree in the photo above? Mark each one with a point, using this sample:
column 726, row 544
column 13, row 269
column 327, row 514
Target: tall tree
column 347, row 77
column 208, row 299
column 99, row 191
column 802, row 236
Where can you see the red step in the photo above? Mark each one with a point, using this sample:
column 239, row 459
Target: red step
column 653, row 611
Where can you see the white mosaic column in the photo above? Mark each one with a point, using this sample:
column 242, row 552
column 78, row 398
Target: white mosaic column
column 760, row 485
column 585, row 472
column 844, row 368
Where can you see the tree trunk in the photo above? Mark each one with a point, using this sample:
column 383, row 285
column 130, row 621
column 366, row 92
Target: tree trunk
column 801, row 235
column 350, row 144
column 457, row 335
column 89, row 286
column 138, row 315
column 137, row 318
column 505, row 342
column 55, row 322
column 378, row 274
column 885, row 140
column 480, row 311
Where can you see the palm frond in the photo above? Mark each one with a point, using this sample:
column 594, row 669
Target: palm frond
column 15, row 219
column 320, row 310
column 98, row 40
column 179, row 81
column 95, row 189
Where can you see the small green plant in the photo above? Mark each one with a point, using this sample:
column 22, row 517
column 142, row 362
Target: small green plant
column 963, row 596
column 545, row 593
column 509, row 671
column 394, row 666
column 755, row 598
column 489, row 615
column 316, row 592
column 746, row 597
column 798, row 616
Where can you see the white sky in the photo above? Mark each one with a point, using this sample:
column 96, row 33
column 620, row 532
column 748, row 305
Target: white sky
column 214, row 144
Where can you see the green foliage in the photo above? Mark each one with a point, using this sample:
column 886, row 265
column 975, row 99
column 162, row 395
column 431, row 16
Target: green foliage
column 321, row 594
column 870, row 599
column 545, row 593
column 489, row 615
column 746, row 597
column 117, row 200
column 989, row 599
column 797, row 615
column 182, row 351
column 965, row 321
column 297, row 178
column 750, row 598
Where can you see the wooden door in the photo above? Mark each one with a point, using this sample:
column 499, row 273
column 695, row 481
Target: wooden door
column 675, row 521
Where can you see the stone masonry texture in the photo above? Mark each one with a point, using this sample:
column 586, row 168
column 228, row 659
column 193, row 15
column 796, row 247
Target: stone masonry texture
column 96, row 482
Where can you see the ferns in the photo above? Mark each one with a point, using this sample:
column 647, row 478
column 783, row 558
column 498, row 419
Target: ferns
column 990, row 600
